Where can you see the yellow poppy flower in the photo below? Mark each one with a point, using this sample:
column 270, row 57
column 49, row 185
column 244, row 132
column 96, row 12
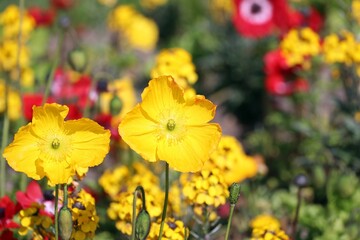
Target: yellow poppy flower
column 57, row 149
column 165, row 126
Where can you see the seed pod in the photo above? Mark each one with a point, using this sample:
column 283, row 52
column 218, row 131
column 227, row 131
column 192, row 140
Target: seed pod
column 78, row 60
column 65, row 223
column 115, row 105
column 234, row 193
column 142, row 225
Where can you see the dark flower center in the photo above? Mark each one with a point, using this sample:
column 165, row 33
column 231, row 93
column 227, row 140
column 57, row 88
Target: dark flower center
column 171, row 124
column 55, row 143
column 48, row 195
column 2, row 213
column 78, row 205
column 255, row 8
column 171, row 225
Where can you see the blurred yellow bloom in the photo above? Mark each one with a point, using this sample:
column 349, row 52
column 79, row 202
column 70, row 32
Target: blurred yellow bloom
column 14, row 102
column 339, row 49
column 355, row 10
column 164, row 127
column 265, row 220
column 138, row 31
column 10, row 21
column 57, row 149
column 298, row 45
column 8, row 55
column 176, row 62
column 232, row 161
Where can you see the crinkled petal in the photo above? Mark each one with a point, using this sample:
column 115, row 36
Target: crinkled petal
column 90, row 142
column 57, row 172
column 161, row 95
column 138, row 130
column 49, row 118
column 199, row 110
column 22, row 154
column 190, row 154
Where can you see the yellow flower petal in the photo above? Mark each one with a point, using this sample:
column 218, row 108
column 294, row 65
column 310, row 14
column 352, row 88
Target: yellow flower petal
column 22, row 154
column 89, row 142
column 162, row 94
column 199, row 110
column 190, row 153
column 136, row 128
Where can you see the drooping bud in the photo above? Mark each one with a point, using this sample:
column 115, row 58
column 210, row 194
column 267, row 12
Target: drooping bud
column 78, row 60
column 234, row 193
column 115, row 105
column 65, row 223
column 142, row 225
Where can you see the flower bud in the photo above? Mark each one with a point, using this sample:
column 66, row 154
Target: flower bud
column 234, row 193
column 115, row 105
column 301, row 181
column 65, row 223
column 142, row 225
column 78, row 60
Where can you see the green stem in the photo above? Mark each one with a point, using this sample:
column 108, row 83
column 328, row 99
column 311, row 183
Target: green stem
column 141, row 189
column 163, row 216
column 293, row 230
column 56, row 212
column 5, row 135
column 53, row 68
column 232, row 207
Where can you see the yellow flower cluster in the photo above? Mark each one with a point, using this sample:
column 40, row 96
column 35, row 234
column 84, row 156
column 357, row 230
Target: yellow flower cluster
column 176, row 62
column 138, row 31
column 266, row 227
column 120, row 185
column 232, row 161
column 355, row 10
column 84, row 216
column 10, row 23
column 341, row 48
column 31, row 220
column 152, row 4
column 205, row 190
column 9, row 48
column 173, row 230
column 299, row 45
column 14, row 102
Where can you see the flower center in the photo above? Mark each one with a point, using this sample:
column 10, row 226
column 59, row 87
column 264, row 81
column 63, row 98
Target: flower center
column 171, row 124
column 255, row 8
column 2, row 213
column 55, row 143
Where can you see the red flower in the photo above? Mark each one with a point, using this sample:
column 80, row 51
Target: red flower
column 34, row 194
column 7, row 212
column 105, row 120
column 62, row 4
column 42, row 17
column 68, row 89
column 7, row 234
column 280, row 78
column 259, row 18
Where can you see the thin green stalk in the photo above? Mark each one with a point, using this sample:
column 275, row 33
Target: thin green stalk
column 134, row 216
column 294, row 224
column 232, row 207
column 163, row 216
column 56, row 212
column 5, row 135
column 53, row 68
